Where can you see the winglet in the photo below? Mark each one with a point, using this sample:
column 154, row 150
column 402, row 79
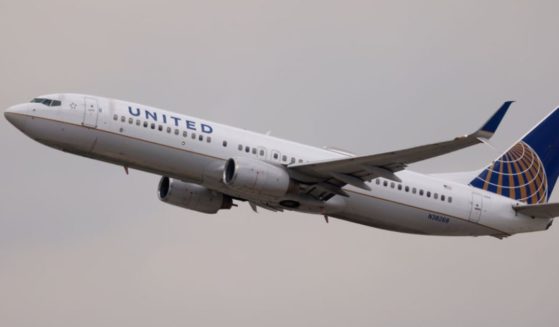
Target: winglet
column 491, row 125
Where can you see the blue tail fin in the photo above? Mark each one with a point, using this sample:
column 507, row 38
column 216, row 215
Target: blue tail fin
column 527, row 172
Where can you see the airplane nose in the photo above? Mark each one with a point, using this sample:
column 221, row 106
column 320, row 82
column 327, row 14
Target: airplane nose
column 15, row 118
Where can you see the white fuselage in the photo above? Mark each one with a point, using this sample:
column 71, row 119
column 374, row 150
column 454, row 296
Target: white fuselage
column 194, row 150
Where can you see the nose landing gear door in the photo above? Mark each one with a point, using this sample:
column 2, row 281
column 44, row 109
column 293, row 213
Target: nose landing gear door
column 91, row 112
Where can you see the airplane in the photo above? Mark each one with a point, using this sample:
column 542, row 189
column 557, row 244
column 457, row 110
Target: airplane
column 208, row 167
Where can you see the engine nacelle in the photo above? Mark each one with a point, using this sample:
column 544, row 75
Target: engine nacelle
column 256, row 177
column 192, row 196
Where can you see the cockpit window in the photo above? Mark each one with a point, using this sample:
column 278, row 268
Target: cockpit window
column 39, row 100
column 47, row 102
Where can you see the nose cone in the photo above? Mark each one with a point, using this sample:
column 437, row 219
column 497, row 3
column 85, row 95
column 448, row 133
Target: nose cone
column 15, row 117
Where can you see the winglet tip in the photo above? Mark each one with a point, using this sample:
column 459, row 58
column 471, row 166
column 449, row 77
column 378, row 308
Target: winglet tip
column 493, row 123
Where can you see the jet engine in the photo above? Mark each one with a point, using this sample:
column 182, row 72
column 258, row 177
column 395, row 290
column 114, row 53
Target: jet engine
column 192, row 196
column 256, row 177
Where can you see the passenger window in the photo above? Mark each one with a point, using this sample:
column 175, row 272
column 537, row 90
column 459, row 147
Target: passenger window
column 145, row 124
column 399, row 187
column 300, row 160
column 152, row 126
column 115, row 117
column 261, row 152
column 292, row 160
column 414, row 190
column 449, row 199
column 160, row 128
column 247, row 149
column 240, row 147
column 385, row 183
column 138, row 122
column 168, row 129
column 392, row 185
column 200, row 137
column 421, row 192
column 428, row 194
column 130, row 121
column 209, row 139
column 122, row 119
column 407, row 189
column 377, row 181
column 284, row 158
column 442, row 198
column 177, row 131
column 184, row 134
column 224, row 144
column 193, row 135
column 276, row 156
column 436, row 196
column 254, row 150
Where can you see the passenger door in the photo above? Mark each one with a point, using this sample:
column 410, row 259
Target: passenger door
column 91, row 112
column 477, row 207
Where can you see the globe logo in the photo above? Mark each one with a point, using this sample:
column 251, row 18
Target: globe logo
column 518, row 174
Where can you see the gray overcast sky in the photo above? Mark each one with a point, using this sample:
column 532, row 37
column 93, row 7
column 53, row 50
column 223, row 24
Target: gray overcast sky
column 82, row 244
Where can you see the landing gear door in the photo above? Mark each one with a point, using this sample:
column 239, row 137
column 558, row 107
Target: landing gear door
column 477, row 207
column 91, row 112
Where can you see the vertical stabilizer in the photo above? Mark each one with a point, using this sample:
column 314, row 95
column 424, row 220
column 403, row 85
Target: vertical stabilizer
column 527, row 171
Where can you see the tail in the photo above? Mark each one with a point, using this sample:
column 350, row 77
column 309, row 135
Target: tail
column 527, row 172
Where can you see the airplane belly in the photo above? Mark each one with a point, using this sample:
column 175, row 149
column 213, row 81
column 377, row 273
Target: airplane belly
column 68, row 137
column 388, row 214
column 149, row 156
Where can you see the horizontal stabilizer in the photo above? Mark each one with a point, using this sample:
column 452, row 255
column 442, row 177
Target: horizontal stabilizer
column 546, row 210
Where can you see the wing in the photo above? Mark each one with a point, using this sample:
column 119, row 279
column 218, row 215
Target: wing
column 546, row 210
column 329, row 176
